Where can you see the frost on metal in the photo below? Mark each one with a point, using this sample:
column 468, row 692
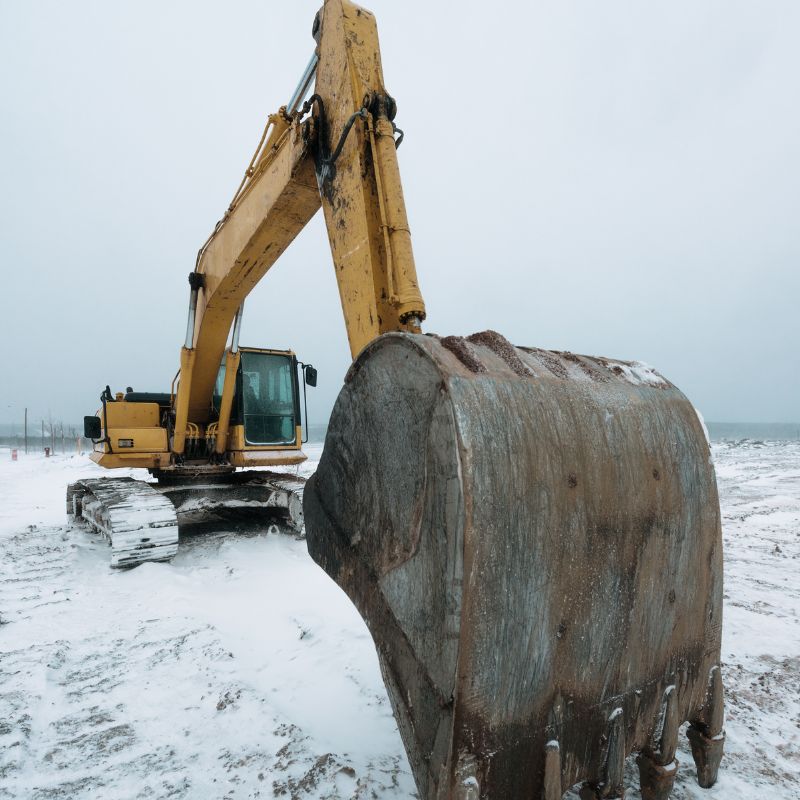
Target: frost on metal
column 533, row 539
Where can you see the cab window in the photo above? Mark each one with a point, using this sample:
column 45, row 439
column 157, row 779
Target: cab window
column 268, row 398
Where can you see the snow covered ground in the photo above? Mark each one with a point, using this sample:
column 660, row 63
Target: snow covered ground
column 240, row 670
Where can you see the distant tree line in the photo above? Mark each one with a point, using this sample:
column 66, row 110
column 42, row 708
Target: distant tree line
column 59, row 436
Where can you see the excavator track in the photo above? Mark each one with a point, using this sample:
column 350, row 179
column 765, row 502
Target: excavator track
column 137, row 520
column 140, row 519
column 289, row 495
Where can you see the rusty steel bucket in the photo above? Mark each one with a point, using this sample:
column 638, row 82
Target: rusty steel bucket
column 533, row 539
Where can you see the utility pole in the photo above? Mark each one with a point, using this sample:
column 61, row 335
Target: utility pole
column 26, row 431
column 43, row 436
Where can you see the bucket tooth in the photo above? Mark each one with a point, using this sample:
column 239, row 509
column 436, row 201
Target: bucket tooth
column 707, row 754
column 615, row 761
column 552, row 771
column 706, row 735
column 611, row 785
column 657, row 765
column 656, row 780
column 670, row 723
column 714, row 716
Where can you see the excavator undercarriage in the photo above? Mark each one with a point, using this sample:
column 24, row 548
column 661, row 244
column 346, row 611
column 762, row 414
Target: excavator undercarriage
column 141, row 519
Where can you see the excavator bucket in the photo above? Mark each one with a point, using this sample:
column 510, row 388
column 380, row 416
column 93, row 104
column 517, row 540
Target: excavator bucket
column 533, row 539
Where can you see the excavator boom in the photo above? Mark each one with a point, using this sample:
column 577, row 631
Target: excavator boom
column 342, row 157
column 277, row 203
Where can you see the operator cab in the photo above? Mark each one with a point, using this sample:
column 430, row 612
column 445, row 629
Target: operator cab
column 267, row 396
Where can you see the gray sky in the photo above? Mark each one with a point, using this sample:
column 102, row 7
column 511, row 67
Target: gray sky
column 616, row 178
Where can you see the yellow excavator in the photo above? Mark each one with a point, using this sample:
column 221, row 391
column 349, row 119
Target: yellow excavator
column 532, row 537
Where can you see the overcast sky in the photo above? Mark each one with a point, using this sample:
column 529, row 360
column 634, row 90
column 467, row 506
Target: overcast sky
column 615, row 178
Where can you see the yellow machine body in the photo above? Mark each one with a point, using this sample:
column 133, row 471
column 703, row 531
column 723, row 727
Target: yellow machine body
column 134, row 432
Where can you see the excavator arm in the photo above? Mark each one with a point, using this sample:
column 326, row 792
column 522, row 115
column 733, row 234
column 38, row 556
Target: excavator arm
column 338, row 150
column 276, row 203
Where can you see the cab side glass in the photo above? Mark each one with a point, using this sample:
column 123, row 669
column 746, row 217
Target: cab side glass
column 216, row 399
